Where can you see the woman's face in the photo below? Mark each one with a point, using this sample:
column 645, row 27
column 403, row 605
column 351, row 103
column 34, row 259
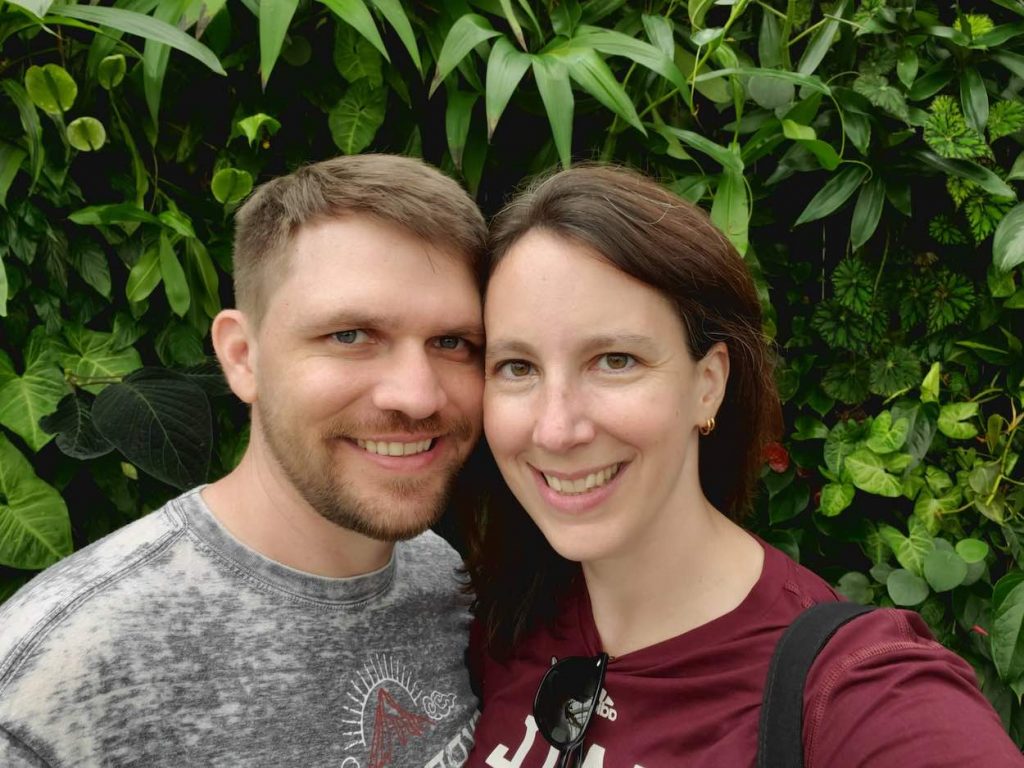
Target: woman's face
column 592, row 400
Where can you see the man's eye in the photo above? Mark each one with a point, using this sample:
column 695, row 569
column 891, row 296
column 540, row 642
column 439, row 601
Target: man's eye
column 351, row 337
column 616, row 361
column 514, row 369
column 452, row 343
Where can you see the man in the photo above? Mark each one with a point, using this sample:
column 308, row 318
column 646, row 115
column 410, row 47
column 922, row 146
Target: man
column 270, row 618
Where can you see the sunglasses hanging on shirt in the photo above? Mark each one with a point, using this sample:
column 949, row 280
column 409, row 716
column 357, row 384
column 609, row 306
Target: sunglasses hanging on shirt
column 565, row 703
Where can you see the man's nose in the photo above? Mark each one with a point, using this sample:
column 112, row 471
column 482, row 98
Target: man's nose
column 410, row 385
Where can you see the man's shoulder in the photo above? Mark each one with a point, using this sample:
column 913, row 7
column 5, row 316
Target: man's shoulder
column 74, row 582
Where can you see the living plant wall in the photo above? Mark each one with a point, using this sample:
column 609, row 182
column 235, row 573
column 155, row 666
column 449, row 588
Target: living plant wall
column 865, row 157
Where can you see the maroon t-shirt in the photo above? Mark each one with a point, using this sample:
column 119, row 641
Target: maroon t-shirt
column 882, row 693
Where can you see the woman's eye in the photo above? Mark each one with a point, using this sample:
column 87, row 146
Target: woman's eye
column 351, row 337
column 515, row 369
column 616, row 361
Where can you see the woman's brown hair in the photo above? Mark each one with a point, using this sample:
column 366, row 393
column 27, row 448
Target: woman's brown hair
column 641, row 228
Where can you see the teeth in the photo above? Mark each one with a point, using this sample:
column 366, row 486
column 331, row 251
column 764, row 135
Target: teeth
column 383, row 448
column 583, row 484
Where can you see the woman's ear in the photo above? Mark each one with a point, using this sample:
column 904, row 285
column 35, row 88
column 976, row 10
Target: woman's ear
column 234, row 342
column 712, row 377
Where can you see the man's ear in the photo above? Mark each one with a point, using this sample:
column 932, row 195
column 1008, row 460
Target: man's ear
column 234, row 341
column 713, row 375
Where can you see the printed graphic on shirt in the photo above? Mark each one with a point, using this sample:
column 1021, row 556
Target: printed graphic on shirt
column 389, row 711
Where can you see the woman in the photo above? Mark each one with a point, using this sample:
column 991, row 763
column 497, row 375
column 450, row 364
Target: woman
column 629, row 394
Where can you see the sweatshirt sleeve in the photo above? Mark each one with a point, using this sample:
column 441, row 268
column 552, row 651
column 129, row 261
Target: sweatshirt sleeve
column 14, row 753
column 884, row 693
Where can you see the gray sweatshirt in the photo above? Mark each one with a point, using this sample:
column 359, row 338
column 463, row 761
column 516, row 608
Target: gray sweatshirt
column 170, row 643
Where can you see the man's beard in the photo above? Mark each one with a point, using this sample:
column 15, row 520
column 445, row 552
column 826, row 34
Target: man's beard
column 380, row 510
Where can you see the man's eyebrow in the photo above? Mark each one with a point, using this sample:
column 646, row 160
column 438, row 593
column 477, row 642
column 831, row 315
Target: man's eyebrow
column 349, row 320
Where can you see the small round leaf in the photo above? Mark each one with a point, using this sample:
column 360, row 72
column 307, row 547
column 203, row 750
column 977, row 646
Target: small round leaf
column 230, row 185
column 51, row 88
column 972, row 550
column 111, row 71
column 86, row 134
column 944, row 570
column 905, row 588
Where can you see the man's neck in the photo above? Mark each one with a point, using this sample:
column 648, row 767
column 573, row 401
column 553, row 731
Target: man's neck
column 260, row 508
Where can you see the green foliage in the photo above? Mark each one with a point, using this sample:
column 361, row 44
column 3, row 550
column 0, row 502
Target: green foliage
column 819, row 137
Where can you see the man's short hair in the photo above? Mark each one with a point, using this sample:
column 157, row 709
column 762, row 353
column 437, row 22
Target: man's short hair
column 399, row 190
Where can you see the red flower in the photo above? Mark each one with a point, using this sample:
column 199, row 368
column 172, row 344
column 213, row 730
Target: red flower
column 979, row 630
column 777, row 457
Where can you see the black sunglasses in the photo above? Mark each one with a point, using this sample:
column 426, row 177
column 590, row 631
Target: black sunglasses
column 565, row 703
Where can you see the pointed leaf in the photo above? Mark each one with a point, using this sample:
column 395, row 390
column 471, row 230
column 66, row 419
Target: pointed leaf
column 821, row 41
column 556, row 93
column 355, row 119
column 1008, row 243
column 145, row 26
column 867, row 472
column 357, row 15
column 513, row 21
column 275, row 18
column 730, row 211
column 953, row 420
column 836, row 191
column 505, row 69
column 72, row 424
column 35, row 530
column 161, row 423
column 592, row 73
column 466, row 34
column 722, row 155
column 867, row 212
column 38, row 8
column 974, row 98
column 965, row 169
column 613, row 43
column 29, row 123
column 1007, row 630
column 394, row 13
column 144, row 276
column 11, row 158
column 175, row 284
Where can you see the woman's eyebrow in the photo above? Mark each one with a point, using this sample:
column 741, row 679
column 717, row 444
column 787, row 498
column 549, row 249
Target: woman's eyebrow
column 604, row 341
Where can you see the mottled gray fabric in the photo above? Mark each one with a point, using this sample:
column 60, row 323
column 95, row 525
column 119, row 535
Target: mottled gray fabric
column 169, row 643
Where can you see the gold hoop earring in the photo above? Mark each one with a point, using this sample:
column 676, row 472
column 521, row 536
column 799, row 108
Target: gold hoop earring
column 708, row 426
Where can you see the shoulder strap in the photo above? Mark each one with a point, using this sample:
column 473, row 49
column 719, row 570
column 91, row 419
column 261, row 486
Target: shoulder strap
column 780, row 739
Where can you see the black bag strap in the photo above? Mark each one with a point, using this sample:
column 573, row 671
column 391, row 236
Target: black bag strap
column 780, row 738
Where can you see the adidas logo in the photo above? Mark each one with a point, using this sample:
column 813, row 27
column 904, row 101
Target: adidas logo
column 606, row 707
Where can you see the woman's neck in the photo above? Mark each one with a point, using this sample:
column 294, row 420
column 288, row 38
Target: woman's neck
column 674, row 581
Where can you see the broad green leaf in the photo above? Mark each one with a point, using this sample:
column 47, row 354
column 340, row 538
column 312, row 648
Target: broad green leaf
column 836, row 191
column 161, row 422
column 887, row 436
column 177, row 222
column 795, row 131
column 145, row 26
column 835, row 497
column 771, row 49
column 72, row 424
column 953, row 420
column 207, row 275
column 910, row 551
column 37, row 7
column 867, row 471
column 974, row 98
column 355, row 58
column 944, row 570
column 972, row 550
column 661, row 34
column 513, row 21
column 91, row 263
column 592, row 73
column 86, row 134
column 905, row 588
column 35, row 530
column 11, row 158
column 144, row 276
column 821, row 41
column 252, row 126
column 613, row 43
column 357, row 15
column 118, row 213
column 96, row 355
column 155, row 58
column 458, row 115
column 27, row 398
column 804, row 81
column 707, row 35
column 856, row 587
column 505, row 69
column 556, row 93
column 965, row 169
column 231, row 185
column 1008, row 243
column 697, row 10
column 907, row 66
column 51, row 88
column 772, row 93
column 111, row 71
column 355, row 120
column 1012, row 61
column 930, row 385
column 466, row 34
column 931, row 510
column 29, row 123
column 868, row 211
column 394, row 13
column 730, row 211
column 722, row 155
column 175, row 285
column 1007, row 630
column 275, row 18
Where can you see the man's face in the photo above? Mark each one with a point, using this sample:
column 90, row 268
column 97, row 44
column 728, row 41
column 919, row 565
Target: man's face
column 368, row 374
